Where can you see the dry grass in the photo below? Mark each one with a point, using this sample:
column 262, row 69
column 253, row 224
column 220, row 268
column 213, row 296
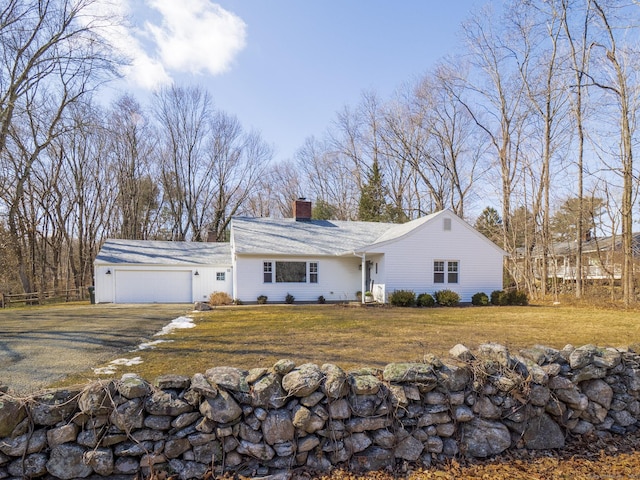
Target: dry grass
column 258, row 336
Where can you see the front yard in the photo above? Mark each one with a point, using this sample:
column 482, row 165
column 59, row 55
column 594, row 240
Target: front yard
column 351, row 337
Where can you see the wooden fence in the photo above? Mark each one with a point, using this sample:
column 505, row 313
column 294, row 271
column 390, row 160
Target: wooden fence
column 40, row 298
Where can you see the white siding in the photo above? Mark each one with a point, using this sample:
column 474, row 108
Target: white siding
column 159, row 283
column 338, row 279
column 408, row 262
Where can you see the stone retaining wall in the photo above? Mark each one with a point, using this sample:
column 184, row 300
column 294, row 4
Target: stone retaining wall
column 272, row 421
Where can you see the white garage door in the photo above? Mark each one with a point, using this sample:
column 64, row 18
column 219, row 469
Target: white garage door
column 153, row 286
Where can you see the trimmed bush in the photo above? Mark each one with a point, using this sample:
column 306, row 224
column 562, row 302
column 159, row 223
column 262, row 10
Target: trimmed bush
column 499, row 297
column 220, row 298
column 262, row 299
column 289, row 298
column 425, row 300
column 447, row 298
column 322, row 300
column 517, row 297
column 480, row 298
column 402, row 298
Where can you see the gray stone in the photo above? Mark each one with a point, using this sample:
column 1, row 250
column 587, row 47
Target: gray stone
column 398, row 396
column 364, row 384
column 364, row 405
column 462, row 413
column 483, row 438
column 433, row 419
column 54, row 407
column 96, row 398
column 312, row 400
column 434, row 444
column 128, row 416
column 284, row 449
column 208, row 453
column 582, row 356
column 445, row 429
column 63, row 434
column 24, row 444
column 185, row 419
column 278, row 427
column 543, row 433
column 150, row 459
column 539, row 395
column 163, row 403
column 131, row 386
column 131, row 449
column 496, row 352
column 589, row 372
column 595, row 413
column 308, row 443
column 229, row 378
column 188, row 469
column 201, row 438
column 268, row 392
column 409, row 449
column 409, row 373
column 126, row 466
column 173, row 448
column 12, row 412
column 608, row 358
column 170, row 381
column 582, row 428
column 31, row 466
column 335, row 383
column 260, row 451
column 201, row 386
column 623, row 418
column 462, row 353
column 66, row 462
column 221, row 409
column 357, row 442
column 249, row 434
column 486, row 409
column 284, row 366
column 598, row 391
column 303, row 381
column 356, row 425
column 101, row 460
column 158, row 422
column 373, row 458
column 306, row 420
column 339, row 409
column 453, row 377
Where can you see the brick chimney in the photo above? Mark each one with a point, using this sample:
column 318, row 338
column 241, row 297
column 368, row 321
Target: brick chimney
column 302, row 209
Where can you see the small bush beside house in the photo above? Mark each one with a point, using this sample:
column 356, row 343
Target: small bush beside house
column 513, row 297
column 447, row 298
column 220, row 298
column 262, row 299
column 425, row 300
column 402, row 298
column 480, row 299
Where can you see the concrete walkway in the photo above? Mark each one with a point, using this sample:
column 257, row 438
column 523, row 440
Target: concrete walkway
column 39, row 345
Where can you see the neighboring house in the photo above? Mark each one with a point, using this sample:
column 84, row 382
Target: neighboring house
column 602, row 258
column 334, row 259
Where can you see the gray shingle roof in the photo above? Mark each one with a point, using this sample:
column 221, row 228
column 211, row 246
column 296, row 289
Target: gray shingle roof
column 310, row 237
column 152, row 252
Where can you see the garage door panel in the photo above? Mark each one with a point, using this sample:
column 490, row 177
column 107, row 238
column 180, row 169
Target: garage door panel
column 153, row 286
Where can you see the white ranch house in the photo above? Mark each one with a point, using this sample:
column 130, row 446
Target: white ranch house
column 305, row 258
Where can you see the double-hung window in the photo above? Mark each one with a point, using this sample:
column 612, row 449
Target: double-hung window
column 267, row 269
column 445, row 271
column 313, row 272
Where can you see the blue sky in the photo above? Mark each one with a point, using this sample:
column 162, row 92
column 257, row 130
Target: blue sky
column 286, row 67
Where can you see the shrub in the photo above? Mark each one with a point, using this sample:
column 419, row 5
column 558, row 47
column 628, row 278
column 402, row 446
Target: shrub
column 517, row 297
column 322, row 300
column 220, row 298
column 262, row 299
column 425, row 300
column 499, row 297
column 447, row 298
column 237, row 301
column 402, row 298
column 289, row 298
column 480, row 298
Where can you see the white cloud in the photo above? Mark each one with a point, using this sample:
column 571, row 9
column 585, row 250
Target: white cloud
column 192, row 36
column 196, row 35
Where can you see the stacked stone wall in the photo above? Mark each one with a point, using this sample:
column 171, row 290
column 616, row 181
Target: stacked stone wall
column 273, row 421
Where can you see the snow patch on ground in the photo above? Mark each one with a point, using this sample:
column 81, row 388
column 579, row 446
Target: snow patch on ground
column 180, row 322
column 150, row 345
column 113, row 364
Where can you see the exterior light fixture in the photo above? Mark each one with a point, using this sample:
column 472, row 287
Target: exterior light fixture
column 196, row 274
column 108, row 271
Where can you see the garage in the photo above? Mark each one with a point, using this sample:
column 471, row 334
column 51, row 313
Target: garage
column 153, row 286
column 153, row 271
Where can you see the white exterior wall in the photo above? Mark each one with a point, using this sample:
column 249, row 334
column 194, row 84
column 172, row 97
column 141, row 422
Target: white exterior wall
column 202, row 285
column 408, row 262
column 338, row 279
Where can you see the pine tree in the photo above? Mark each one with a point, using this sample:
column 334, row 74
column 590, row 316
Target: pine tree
column 372, row 206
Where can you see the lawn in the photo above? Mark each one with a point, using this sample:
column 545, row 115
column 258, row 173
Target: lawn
column 354, row 336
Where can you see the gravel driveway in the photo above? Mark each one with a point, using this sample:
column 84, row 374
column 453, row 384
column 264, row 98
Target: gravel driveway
column 39, row 345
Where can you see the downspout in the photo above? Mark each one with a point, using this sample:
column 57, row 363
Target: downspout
column 363, row 275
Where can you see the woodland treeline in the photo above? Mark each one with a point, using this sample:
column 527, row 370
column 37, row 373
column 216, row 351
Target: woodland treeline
column 528, row 131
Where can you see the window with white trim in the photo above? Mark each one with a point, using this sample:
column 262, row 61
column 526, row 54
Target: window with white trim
column 220, row 276
column 450, row 267
column 313, row 272
column 267, row 272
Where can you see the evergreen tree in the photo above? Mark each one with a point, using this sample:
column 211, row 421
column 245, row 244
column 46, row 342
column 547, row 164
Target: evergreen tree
column 489, row 224
column 372, row 206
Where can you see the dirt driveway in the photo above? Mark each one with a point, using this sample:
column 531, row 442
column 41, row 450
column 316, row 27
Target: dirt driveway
column 39, row 345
